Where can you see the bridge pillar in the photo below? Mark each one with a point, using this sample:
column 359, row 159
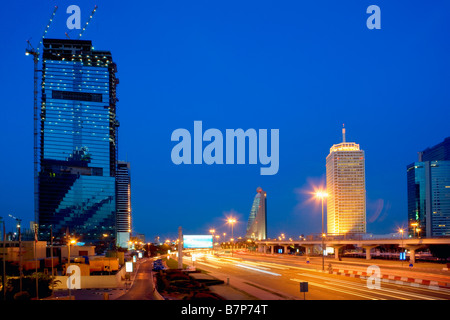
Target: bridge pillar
column 368, row 248
column 286, row 249
column 308, row 248
column 272, row 249
column 412, row 251
column 336, row 250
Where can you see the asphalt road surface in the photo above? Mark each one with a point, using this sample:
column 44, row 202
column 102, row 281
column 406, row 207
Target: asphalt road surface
column 282, row 277
column 142, row 287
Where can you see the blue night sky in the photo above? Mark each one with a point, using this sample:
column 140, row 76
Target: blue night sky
column 304, row 68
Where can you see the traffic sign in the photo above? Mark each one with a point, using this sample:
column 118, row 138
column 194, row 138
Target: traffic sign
column 303, row 286
column 304, row 289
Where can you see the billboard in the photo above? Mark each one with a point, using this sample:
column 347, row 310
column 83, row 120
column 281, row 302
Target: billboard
column 197, row 241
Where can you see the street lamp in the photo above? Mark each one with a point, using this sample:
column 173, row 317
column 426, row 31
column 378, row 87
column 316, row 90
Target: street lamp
column 232, row 221
column 4, row 259
column 401, row 231
column 322, row 195
column 71, row 241
column 212, row 231
column 19, row 221
column 414, row 227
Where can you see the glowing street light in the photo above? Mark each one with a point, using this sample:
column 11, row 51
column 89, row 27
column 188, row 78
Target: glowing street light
column 418, row 232
column 232, row 221
column 212, row 231
column 322, row 195
column 401, row 231
column 71, row 241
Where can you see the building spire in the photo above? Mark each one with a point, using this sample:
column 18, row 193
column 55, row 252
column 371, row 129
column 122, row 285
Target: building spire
column 343, row 132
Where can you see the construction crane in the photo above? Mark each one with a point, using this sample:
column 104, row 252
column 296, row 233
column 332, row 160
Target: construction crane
column 85, row 26
column 30, row 50
column 87, row 22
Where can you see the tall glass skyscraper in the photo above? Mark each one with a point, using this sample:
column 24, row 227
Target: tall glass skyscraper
column 257, row 221
column 428, row 185
column 346, row 188
column 77, row 186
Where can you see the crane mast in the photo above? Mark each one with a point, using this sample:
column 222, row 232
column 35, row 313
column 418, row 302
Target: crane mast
column 87, row 22
column 35, row 53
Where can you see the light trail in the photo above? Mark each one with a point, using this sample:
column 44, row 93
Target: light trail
column 336, row 289
column 256, row 269
column 382, row 291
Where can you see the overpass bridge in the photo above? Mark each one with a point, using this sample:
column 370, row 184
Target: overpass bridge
column 337, row 242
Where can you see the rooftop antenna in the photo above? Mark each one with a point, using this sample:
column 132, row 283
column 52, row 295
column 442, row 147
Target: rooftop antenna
column 343, row 132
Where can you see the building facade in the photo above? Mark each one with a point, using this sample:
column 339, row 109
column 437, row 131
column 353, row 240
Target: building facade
column 77, row 186
column 257, row 221
column 428, row 186
column 346, row 201
column 123, row 204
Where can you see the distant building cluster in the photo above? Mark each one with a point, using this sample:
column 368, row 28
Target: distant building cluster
column 428, row 186
column 428, row 182
column 85, row 191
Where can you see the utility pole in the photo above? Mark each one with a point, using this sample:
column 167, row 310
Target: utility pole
column 19, row 221
column 180, row 248
column 35, row 259
column 35, row 53
column 4, row 259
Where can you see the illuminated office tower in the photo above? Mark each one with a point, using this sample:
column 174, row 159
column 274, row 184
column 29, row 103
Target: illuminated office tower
column 346, row 202
column 123, row 204
column 257, row 221
column 77, row 183
column 428, row 182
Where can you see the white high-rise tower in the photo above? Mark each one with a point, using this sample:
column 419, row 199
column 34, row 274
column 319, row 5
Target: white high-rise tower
column 346, row 202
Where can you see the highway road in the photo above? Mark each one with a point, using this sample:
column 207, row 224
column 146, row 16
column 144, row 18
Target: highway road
column 280, row 278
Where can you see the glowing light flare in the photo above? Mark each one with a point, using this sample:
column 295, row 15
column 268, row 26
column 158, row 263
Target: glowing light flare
column 321, row 194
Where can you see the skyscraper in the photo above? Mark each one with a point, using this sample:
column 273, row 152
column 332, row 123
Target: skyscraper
column 78, row 141
column 257, row 221
column 428, row 185
column 346, row 202
column 123, row 204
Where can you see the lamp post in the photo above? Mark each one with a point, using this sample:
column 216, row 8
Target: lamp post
column 322, row 195
column 232, row 221
column 19, row 221
column 223, row 241
column 3, row 259
column 217, row 240
column 401, row 231
column 51, row 256
column 418, row 232
column 71, row 241
column 212, row 231
column 414, row 227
